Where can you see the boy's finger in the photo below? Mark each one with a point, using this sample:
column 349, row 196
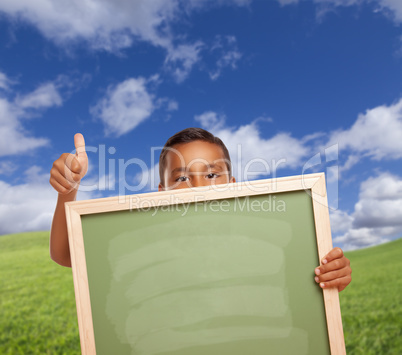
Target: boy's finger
column 340, row 283
column 79, row 143
column 59, row 188
column 67, row 164
column 332, row 265
column 76, row 167
column 65, row 177
column 73, row 164
column 335, row 253
column 70, row 176
column 59, row 183
column 332, row 275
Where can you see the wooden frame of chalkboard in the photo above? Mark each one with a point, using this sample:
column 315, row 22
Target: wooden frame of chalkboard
column 312, row 185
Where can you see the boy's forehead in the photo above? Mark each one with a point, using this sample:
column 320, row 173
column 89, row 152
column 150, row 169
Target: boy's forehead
column 195, row 152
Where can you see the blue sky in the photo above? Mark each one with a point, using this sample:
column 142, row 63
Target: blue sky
column 284, row 81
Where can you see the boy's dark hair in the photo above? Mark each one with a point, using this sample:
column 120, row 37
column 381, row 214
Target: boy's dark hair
column 189, row 135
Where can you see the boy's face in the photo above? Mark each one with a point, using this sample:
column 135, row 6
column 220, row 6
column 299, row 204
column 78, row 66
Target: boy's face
column 195, row 164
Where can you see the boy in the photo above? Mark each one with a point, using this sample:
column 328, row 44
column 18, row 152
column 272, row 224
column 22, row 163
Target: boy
column 190, row 158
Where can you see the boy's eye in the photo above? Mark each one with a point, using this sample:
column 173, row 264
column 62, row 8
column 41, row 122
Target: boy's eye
column 182, row 178
column 212, row 176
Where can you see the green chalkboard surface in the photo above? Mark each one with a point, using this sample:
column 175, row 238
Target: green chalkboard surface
column 202, row 271
column 232, row 276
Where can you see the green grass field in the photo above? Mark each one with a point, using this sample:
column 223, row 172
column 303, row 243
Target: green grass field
column 372, row 304
column 37, row 304
column 38, row 314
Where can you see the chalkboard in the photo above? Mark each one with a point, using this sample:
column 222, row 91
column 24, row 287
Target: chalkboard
column 227, row 269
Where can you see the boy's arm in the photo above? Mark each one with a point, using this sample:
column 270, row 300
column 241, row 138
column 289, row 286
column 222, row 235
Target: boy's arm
column 334, row 271
column 59, row 247
column 65, row 176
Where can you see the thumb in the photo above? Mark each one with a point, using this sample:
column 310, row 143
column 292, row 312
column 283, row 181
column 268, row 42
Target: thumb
column 79, row 143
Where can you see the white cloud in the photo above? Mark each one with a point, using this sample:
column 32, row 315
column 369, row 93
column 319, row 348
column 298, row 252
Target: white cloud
column 375, row 134
column 228, row 54
column 361, row 238
column 125, row 106
column 13, row 111
column 326, row 2
column 169, row 104
column 44, row 96
column 388, row 7
column 394, row 7
column 113, row 25
column 287, row 2
column 181, row 59
column 7, row 167
column 202, row 3
column 107, row 24
column 376, row 217
column 380, row 202
column 16, row 107
column 382, row 187
column 341, row 221
column 252, row 155
column 172, row 105
column 5, row 82
column 14, row 138
column 29, row 206
column 211, row 120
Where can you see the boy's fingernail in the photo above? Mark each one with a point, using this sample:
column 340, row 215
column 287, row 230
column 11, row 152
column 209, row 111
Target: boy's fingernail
column 316, row 279
column 324, row 261
column 322, row 284
column 317, row 271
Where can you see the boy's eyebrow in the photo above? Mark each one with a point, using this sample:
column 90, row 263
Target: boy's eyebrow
column 180, row 169
column 185, row 169
column 214, row 166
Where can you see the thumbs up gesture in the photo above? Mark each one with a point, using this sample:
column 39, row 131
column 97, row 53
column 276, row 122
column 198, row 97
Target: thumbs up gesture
column 68, row 170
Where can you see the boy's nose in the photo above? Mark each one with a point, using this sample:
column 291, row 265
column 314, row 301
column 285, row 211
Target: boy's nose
column 198, row 180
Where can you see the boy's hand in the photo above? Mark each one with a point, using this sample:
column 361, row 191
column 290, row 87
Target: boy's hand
column 334, row 271
column 69, row 169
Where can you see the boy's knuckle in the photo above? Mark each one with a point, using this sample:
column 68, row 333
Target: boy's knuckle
column 338, row 251
column 330, row 284
column 325, row 278
column 62, row 190
column 75, row 165
column 55, row 165
column 58, row 165
column 66, row 190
